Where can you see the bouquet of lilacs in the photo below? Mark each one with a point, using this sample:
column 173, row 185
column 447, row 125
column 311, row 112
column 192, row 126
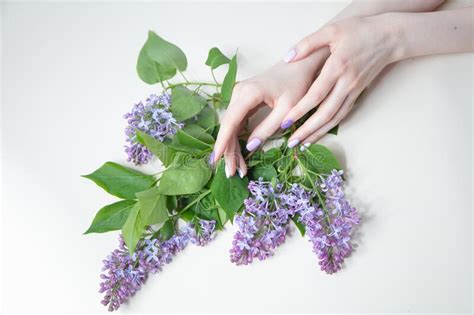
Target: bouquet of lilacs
column 189, row 200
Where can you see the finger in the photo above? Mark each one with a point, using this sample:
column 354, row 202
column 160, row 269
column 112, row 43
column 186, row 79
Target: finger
column 230, row 159
column 325, row 113
column 242, row 168
column 309, row 44
column 318, row 91
column 241, row 165
column 243, row 100
column 269, row 125
column 343, row 111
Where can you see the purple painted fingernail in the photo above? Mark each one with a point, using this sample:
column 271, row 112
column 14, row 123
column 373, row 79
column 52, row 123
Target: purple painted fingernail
column 211, row 158
column 286, row 124
column 290, row 55
column 253, row 144
column 293, row 143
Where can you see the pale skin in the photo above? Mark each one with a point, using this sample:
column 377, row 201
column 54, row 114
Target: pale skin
column 331, row 67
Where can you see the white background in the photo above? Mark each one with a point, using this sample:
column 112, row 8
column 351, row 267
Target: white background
column 68, row 75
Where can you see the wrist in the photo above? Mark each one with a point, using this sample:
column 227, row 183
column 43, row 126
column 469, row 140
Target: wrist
column 392, row 27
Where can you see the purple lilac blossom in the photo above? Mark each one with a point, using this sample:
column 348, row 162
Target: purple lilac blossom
column 155, row 119
column 266, row 216
column 123, row 275
column 262, row 226
column 340, row 220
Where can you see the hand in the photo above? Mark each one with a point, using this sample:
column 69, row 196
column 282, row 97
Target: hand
column 280, row 88
column 360, row 48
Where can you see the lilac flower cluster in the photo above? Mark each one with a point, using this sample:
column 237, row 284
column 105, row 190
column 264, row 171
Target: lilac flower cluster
column 263, row 225
column 123, row 275
column 155, row 119
column 328, row 217
column 329, row 227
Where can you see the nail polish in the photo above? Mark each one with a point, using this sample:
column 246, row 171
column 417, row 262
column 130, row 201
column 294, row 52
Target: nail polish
column 293, row 143
column 241, row 173
column 227, row 171
column 286, row 124
column 290, row 55
column 307, row 144
column 253, row 144
column 211, row 158
column 302, row 148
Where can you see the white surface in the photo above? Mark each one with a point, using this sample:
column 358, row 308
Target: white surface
column 69, row 75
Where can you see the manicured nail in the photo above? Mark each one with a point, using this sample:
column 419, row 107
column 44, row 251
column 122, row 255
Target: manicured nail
column 286, row 124
column 307, row 144
column 211, row 158
column 241, row 173
column 290, row 55
column 293, row 143
column 302, row 148
column 227, row 171
column 253, row 144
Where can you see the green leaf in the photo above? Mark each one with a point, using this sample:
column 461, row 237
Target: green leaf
column 207, row 119
column 150, row 71
column 266, row 171
column 187, row 215
column 206, row 209
column 185, row 103
column 229, row 192
column 320, row 159
column 229, row 80
column 152, row 206
column 334, row 130
column 185, row 178
column 150, row 209
column 165, row 53
column 222, row 216
column 158, row 148
column 176, row 145
column 120, row 181
column 216, row 58
column 171, row 203
column 111, row 217
column 217, row 101
column 133, row 229
column 167, row 230
column 195, row 136
column 271, row 155
column 299, row 225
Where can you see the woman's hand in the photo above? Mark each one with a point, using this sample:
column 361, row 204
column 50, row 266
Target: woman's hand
column 360, row 48
column 280, row 88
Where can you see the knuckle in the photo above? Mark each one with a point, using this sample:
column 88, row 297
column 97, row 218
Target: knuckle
column 332, row 30
column 305, row 44
column 325, row 116
column 295, row 113
column 246, row 88
column 352, row 80
column 341, row 63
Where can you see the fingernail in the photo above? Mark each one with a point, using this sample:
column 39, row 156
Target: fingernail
column 286, row 124
column 290, row 55
column 211, row 158
column 241, row 173
column 302, row 148
column 253, row 144
column 227, row 171
column 293, row 143
column 307, row 144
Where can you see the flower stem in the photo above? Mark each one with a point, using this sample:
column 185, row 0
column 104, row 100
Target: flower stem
column 170, row 86
column 194, row 202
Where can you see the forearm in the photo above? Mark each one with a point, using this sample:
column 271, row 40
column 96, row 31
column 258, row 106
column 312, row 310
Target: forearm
column 431, row 33
column 367, row 8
